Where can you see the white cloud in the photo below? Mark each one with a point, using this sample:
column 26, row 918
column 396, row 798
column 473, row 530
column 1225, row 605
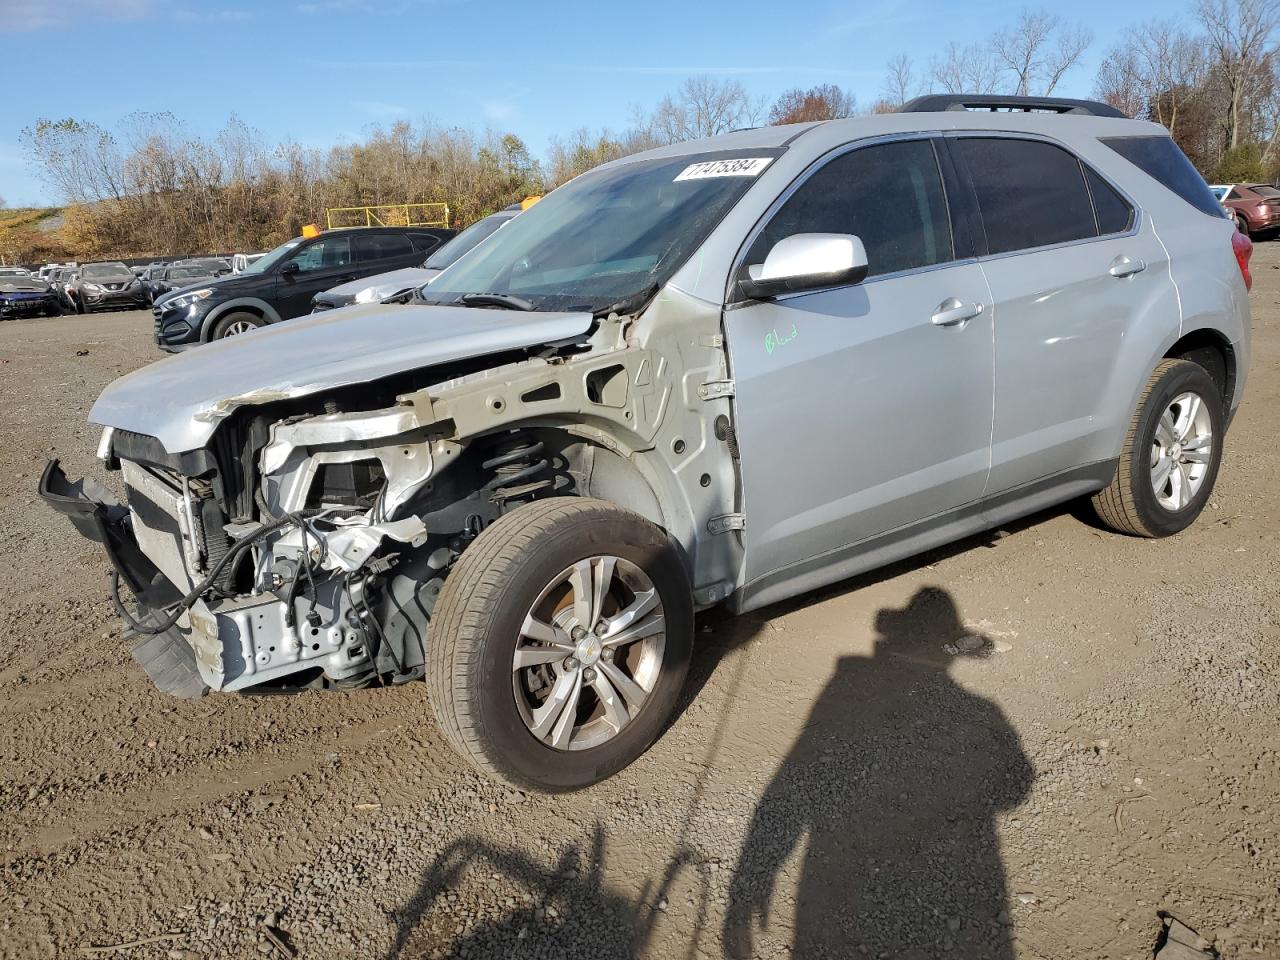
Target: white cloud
column 380, row 109
column 20, row 16
column 26, row 16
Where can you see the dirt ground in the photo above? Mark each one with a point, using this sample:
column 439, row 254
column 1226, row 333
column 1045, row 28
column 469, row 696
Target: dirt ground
column 837, row 783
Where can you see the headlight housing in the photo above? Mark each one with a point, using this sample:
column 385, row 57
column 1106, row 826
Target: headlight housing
column 92, row 288
column 189, row 298
column 367, row 295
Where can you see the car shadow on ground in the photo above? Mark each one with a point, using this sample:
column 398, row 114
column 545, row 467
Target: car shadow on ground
column 891, row 792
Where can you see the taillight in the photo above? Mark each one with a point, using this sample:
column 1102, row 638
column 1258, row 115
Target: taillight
column 1242, row 247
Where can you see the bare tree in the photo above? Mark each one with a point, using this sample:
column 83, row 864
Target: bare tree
column 1173, row 65
column 900, row 83
column 1239, row 34
column 1038, row 50
column 823, row 102
column 969, row 69
column 704, row 107
column 1120, row 81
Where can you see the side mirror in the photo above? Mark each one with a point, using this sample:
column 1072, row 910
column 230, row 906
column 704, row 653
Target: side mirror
column 289, row 268
column 806, row 261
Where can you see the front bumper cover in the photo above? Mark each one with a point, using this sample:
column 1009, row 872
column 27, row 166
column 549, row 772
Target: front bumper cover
column 167, row 657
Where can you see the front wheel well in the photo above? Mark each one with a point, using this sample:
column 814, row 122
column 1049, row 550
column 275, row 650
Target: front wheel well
column 1213, row 351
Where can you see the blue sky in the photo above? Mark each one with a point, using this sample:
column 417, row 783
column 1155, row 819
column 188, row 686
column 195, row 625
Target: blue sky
column 324, row 71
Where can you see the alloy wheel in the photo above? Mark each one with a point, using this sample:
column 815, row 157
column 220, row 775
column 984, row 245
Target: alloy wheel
column 589, row 654
column 239, row 327
column 1181, row 451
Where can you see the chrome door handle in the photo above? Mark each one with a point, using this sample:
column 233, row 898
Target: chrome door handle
column 952, row 312
column 1123, row 266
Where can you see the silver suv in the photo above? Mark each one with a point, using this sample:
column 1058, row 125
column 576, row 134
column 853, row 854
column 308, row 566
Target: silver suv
column 721, row 372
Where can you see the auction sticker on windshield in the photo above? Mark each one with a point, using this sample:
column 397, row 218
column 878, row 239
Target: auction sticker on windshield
column 741, row 167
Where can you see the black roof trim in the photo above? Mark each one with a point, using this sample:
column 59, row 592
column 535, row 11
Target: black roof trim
column 944, row 102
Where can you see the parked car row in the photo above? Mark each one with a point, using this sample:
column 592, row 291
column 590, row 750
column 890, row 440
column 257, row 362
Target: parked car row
column 281, row 284
column 399, row 282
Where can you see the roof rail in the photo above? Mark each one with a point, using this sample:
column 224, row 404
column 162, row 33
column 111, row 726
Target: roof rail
column 942, row 102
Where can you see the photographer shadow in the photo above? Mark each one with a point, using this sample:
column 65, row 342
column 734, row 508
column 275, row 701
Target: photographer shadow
column 893, row 787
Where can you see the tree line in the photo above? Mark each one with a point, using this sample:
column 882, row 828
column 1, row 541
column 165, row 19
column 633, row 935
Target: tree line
column 148, row 186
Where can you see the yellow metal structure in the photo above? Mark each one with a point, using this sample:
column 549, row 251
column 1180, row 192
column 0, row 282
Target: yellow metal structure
column 389, row 215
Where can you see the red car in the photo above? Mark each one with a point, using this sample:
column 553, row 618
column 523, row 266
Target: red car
column 1255, row 206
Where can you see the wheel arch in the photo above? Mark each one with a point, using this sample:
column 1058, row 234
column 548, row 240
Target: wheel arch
column 1213, row 351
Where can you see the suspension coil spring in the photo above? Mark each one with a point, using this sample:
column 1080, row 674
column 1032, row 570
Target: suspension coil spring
column 515, row 468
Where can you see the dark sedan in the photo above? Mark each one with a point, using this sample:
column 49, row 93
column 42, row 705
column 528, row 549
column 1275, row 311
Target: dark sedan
column 27, row 297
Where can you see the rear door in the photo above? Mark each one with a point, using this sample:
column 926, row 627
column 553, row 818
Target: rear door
column 1071, row 268
column 378, row 252
column 865, row 407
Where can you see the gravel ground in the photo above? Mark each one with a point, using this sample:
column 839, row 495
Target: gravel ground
column 1023, row 746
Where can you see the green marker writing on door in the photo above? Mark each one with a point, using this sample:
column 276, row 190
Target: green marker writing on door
column 772, row 341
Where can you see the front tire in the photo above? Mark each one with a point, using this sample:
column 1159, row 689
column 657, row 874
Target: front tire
column 559, row 644
column 234, row 324
column 1171, row 454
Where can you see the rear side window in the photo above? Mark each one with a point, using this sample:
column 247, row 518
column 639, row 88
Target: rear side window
column 380, row 246
column 1112, row 210
column 889, row 195
column 1031, row 194
column 424, row 242
column 1160, row 158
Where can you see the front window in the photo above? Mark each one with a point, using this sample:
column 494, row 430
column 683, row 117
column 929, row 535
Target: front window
column 269, row 260
column 610, row 236
column 325, row 254
column 889, row 195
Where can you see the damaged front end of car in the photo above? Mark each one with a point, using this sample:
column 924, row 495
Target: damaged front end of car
column 299, row 536
column 285, row 556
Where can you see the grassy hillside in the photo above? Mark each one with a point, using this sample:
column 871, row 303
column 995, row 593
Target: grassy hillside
column 30, row 233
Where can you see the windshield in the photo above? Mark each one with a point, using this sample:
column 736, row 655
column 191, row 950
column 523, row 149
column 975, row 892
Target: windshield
column 13, row 272
column 177, row 273
column 465, row 242
column 106, row 271
column 608, row 236
column 269, row 260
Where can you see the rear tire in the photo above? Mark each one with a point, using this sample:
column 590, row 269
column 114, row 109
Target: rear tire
column 234, row 324
column 1167, row 469
column 488, row 704
column 1243, row 226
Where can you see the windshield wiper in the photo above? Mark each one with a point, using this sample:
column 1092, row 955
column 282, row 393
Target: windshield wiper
column 629, row 304
column 505, row 300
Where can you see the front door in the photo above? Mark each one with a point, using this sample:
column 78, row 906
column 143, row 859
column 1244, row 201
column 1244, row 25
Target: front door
column 321, row 265
column 863, row 408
